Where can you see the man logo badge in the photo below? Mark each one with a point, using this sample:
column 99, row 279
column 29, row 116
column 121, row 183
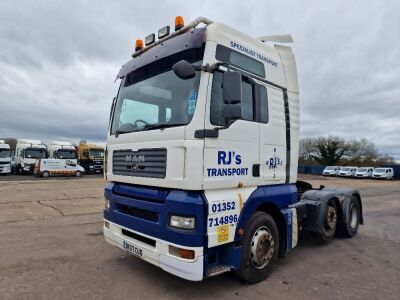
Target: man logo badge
column 135, row 160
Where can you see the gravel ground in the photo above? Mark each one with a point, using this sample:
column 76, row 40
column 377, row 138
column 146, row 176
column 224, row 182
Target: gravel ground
column 52, row 248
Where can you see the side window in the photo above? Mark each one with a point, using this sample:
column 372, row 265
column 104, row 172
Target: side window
column 217, row 101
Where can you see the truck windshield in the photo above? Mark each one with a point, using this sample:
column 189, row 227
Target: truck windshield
column 153, row 97
column 35, row 153
column 380, row 170
column 362, row 170
column 96, row 153
column 66, row 154
column 329, row 168
column 4, row 153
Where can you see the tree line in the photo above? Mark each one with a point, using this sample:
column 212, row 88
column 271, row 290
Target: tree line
column 334, row 150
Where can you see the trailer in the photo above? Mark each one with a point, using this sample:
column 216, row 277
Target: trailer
column 202, row 154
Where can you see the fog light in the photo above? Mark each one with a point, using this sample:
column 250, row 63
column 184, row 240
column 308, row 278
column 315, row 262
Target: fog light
column 182, row 253
column 182, row 222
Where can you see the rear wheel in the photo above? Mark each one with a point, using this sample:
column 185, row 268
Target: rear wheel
column 351, row 227
column 260, row 248
column 329, row 223
column 45, row 174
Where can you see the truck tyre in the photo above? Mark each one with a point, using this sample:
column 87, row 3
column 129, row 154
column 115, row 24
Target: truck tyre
column 260, row 248
column 78, row 173
column 329, row 223
column 45, row 174
column 350, row 228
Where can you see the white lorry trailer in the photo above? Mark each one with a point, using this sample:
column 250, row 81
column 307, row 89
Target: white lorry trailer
column 62, row 150
column 202, row 153
column 26, row 154
column 5, row 158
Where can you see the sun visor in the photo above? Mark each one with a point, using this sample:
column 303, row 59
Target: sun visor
column 191, row 39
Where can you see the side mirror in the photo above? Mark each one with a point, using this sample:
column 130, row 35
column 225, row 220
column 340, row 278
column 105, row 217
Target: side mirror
column 232, row 85
column 184, row 70
column 232, row 95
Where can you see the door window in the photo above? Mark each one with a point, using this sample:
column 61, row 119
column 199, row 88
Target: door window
column 217, row 102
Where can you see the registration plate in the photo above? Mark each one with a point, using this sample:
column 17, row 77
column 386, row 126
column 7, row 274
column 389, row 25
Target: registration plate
column 132, row 249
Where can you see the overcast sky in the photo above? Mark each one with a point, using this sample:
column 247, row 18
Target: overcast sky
column 59, row 59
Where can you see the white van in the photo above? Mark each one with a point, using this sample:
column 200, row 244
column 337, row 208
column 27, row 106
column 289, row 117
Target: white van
column 50, row 167
column 331, row 171
column 347, row 171
column 384, row 173
column 364, row 172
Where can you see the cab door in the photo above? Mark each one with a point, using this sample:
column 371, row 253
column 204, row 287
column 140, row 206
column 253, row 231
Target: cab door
column 231, row 158
column 273, row 158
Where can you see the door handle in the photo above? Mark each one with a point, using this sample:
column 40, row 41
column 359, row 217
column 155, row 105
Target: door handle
column 256, row 170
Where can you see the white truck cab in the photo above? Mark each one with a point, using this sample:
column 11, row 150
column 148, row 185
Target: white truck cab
column 202, row 152
column 331, row 171
column 347, row 171
column 383, row 173
column 57, row 167
column 364, row 172
column 62, row 150
column 26, row 154
column 5, row 158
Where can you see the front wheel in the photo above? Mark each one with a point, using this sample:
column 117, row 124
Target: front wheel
column 260, row 248
column 78, row 173
column 45, row 174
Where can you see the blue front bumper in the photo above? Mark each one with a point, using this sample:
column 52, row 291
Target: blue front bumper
column 147, row 210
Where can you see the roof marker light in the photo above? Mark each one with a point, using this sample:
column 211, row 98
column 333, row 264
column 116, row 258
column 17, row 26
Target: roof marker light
column 138, row 45
column 150, row 39
column 163, row 32
column 179, row 23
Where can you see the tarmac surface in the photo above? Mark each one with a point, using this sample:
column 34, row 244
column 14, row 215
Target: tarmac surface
column 51, row 247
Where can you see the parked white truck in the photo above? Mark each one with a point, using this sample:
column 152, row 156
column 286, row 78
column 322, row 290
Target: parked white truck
column 202, row 152
column 62, row 150
column 26, row 154
column 5, row 158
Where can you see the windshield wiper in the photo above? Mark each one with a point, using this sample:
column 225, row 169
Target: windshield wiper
column 118, row 132
column 161, row 125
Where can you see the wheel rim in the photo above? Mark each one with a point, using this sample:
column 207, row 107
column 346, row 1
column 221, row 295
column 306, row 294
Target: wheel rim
column 262, row 248
column 353, row 217
column 331, row 218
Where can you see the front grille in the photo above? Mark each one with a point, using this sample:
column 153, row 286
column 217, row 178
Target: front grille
column 4, row 162
column 141, row 163
column 140, row 238
column 139, row 213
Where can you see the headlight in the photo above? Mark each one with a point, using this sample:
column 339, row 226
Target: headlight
column 107, row 205
column 91, row 167
column 182, row 222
